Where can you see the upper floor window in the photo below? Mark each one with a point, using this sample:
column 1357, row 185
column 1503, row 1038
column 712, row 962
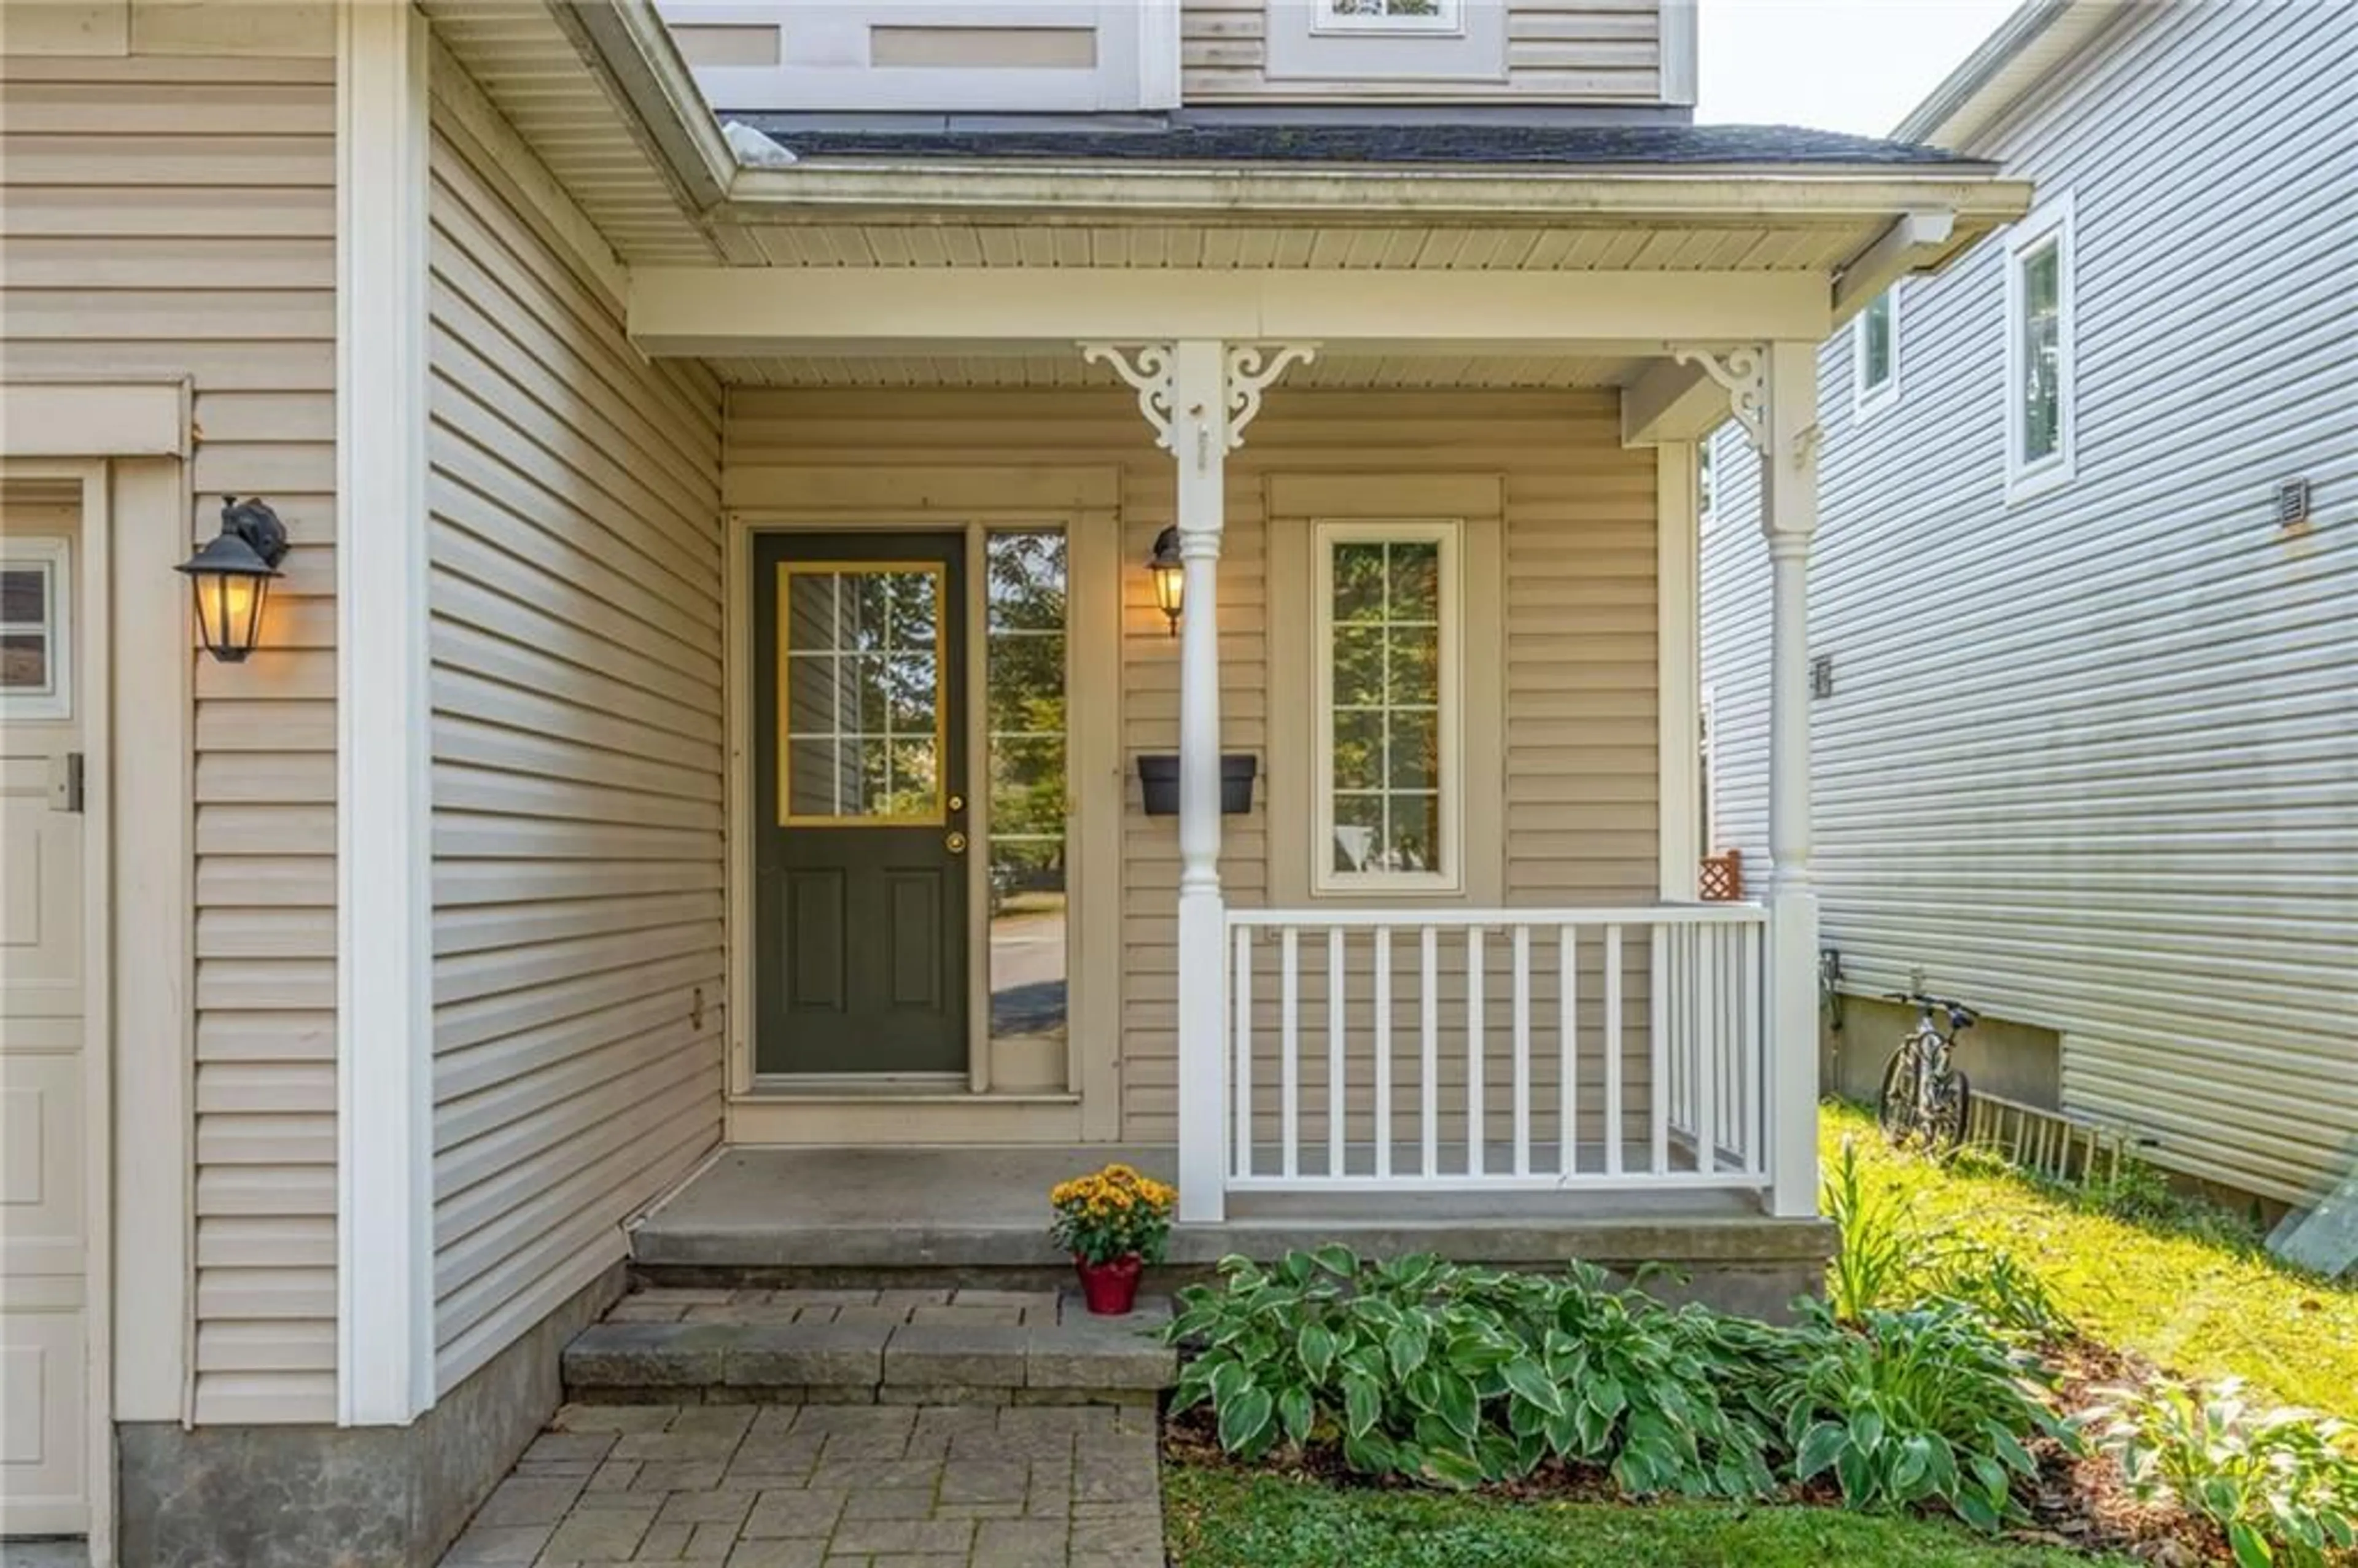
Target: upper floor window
column 2040, row 424
column 1388, row 15
column 1387, row 777
column 1875, row 354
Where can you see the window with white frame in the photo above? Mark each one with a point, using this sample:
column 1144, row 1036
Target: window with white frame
column 1875, row 354
column 1387, row 15
column 33, row 639
column 1388, row 780
column 2039, row 419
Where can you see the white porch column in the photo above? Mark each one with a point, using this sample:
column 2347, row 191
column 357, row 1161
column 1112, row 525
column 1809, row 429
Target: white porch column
column 1199, row 395
column 1773, row 393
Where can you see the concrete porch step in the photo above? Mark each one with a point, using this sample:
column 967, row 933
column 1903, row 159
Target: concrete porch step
column 818, row 1345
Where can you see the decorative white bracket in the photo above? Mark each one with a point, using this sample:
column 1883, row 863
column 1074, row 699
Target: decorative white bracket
column 1254, row 369
column 1147, row 367
column 1248, row 370
column 1742, row 369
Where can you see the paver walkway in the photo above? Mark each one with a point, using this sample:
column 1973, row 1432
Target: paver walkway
column 829, row 1487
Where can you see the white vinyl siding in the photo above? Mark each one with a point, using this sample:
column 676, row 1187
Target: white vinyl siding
column 2092, row 761
column 174, row 215
column 576, row 599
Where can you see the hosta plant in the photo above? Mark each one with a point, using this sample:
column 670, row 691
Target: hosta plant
column 1917, row 1408
column 1458, row 1375
column 2282, row 1484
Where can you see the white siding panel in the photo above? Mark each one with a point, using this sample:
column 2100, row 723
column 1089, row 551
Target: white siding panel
column 578, row 830
column 2092, row 760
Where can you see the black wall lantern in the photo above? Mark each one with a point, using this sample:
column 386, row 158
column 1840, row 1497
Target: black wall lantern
column 1170, row 575
column 231, row 577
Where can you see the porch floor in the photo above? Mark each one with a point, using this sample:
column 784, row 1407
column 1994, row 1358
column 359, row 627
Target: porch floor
column 851, row 1215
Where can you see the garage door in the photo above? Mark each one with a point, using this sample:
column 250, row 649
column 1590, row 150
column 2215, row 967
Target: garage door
column 44, row 1304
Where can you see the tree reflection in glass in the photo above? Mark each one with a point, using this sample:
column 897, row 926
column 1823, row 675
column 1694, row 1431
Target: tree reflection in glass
column 1025, row 693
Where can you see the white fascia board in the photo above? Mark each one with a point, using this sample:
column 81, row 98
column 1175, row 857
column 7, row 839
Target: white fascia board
column 761, row 310
column 1914, row 241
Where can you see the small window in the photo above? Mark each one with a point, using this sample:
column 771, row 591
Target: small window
column 1387, row 15
column 2039, row 419
column 1875, row 354
column 33, row 645
column 1388, row 779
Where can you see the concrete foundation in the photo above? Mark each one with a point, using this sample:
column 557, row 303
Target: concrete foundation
column 2018, row 1062
column 953, row 1216
column 321, row 1496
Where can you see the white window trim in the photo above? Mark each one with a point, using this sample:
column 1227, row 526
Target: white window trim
column 1324, row 880
column 1448, row 20
column 56, row 701
column 1865, row 401
column 2050, row 222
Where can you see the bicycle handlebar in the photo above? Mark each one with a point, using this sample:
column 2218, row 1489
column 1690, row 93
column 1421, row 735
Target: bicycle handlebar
column 1956, row 1009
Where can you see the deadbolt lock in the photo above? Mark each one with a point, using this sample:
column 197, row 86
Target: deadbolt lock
column 957, row 802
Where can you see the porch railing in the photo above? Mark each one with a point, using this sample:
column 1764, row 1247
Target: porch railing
column 1497, row 1050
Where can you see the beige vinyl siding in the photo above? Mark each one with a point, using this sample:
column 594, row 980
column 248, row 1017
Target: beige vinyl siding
column 576, row 598
column 175, row 217
column 1580, row 639
column 1557, row 51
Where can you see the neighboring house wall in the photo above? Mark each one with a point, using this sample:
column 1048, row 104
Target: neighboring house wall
column 1542, row 50
column 170, row 210
column 577, row 767
column 1572, row 637
column 2091, row 761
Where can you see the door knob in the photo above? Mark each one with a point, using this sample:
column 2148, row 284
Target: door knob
column 954, row 842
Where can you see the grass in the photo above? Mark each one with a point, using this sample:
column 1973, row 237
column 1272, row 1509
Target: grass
column 2181, row 1283
column 1218, row 1519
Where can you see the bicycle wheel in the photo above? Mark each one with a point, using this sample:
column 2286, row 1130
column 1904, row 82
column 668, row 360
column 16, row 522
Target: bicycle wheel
column 1950, row 1112
column 1894, row 1106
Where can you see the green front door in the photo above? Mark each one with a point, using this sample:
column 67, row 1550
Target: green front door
column 860, row 810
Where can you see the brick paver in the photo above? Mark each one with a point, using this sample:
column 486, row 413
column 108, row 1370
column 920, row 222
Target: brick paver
column 829, row 1485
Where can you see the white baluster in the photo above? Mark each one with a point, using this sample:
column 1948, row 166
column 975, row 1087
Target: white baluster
column 1335, row 1000
column 1474, row 1085
column 1709, row 999
column 1430, row 1086
column 1522, row 1050
column 1289, row 1052
column 1383, row 1052
column 1613, row 1130
column 1657, row 1050
column 1567, row 1034
column 1242, row 979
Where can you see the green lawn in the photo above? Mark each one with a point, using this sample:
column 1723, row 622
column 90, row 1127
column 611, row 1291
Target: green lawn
column 2180, row 1289
column 1221, row 1519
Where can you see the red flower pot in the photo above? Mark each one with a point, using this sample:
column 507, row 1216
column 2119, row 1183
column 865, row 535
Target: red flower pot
column 1111, row 1289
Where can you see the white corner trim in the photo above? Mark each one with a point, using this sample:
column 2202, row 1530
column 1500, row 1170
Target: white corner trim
column 384, row 1342
column 1681, row 52
column 1159, row 51
column 2051, row 220
column 1678, row 669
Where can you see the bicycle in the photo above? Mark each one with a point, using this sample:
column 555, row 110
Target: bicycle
column 1924, row 1094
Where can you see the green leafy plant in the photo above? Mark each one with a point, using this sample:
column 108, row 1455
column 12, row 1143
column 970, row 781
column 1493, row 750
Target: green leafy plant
column 1886, row 1262
column 2282, row 1484
column 1920, row 1407
column 1458, row 1375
